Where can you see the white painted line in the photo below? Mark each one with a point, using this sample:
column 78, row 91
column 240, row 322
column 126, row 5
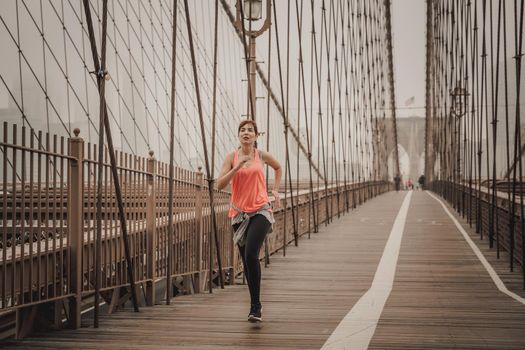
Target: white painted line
column 91, row 308
column 357, row 328
column 86, row 310
column 497, row 281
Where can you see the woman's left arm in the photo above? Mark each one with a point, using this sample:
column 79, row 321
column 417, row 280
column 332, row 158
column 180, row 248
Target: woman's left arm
column 271, row 161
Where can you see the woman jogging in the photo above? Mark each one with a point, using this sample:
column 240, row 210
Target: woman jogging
column 250, row 208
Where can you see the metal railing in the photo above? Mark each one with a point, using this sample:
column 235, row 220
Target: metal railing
column 476, row 205
column 474, row 130
column 48, row 215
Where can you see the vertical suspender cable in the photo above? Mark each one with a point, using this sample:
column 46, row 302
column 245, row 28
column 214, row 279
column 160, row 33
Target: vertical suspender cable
column 467, row 80
column 507, row 132
column 368, row 104
column 522, row 214
column 429, row 90
column 338, row 80
column 485, row 92
column 205, row 148
column 332, row 19
column 461, row 82
column 299, row 33
column 288, row 170
column 476, row 119
column 448, row 145
column 266, row 248
column 285, row 121
column 348, row 107
column 320, row 145
column 352, row 116
column 213, row 238
column 295, row 209
column 118, row 192
column 171, row 226
column 327, row 33
column 285, row 108
column 101, row 89
column 343, row 140
column 495, row 98
column 519, row 54
column 516, row 133
column 310, row 131
column 311, row 208
column 214, row 93
column 471, row 114
column 321, row 132
column 518, row 36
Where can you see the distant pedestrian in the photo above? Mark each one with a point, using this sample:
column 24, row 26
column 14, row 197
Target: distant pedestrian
column 421, row 182
column 397, row 182
column 250, row 208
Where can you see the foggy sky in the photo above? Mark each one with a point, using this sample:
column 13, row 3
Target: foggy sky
column 409, row 36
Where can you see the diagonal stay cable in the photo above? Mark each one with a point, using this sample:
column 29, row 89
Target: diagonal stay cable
column 103, row 115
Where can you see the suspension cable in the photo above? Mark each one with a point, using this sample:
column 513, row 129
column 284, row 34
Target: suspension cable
column 205, row 148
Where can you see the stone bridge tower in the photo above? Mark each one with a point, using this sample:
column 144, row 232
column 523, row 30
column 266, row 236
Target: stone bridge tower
column 411, row 136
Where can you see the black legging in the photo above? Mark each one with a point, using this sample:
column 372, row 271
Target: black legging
column 255, row 233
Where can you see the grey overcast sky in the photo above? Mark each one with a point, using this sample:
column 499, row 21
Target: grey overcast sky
column 409, row 30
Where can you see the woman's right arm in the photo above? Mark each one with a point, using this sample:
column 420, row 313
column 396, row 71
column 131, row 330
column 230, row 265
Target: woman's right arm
column 226, row 173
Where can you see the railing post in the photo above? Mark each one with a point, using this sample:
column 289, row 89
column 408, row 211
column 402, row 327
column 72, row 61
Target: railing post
column 151, row 260
column 199, row 278
column 233, row 255
column 75, row 224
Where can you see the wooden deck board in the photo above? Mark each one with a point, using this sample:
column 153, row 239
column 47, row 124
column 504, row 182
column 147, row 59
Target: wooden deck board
column 442, row 296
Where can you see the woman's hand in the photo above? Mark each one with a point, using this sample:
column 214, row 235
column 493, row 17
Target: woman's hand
column 242, row 161
column 277, row 201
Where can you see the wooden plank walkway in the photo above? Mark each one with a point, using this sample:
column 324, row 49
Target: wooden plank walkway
column 442, row 296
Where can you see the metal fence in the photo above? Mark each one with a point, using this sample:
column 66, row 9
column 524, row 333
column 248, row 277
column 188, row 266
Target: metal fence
column 494, row 220
column 48, row 216
column 474, row 124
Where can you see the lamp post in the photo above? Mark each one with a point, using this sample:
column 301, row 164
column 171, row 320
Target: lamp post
column 458, row 109
column 252, row 10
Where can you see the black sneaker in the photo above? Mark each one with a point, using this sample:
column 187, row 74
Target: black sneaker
column 255, row 313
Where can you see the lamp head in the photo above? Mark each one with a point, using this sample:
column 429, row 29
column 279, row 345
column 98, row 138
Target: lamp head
column 253, row 10
column 458, row 107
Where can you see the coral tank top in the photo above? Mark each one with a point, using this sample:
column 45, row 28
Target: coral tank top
column 248, row 186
